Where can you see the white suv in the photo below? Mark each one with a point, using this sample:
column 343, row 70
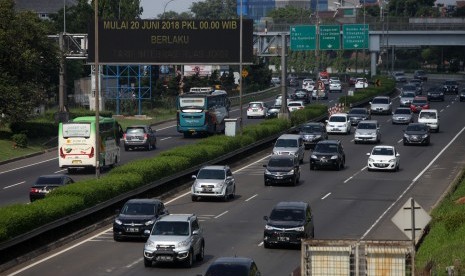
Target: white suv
column 430, row 117
column 338, row 123
column 214, row 181
column 175, row 238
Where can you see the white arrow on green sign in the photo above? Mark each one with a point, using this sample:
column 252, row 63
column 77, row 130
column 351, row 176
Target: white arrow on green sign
column 303, row 37
column 330, row 37
column 355, row 36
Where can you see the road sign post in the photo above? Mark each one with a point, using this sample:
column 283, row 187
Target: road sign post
column 303, row 37
column 355, row 36
column 330, row 37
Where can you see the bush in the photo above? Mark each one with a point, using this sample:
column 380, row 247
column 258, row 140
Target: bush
column 20, row 140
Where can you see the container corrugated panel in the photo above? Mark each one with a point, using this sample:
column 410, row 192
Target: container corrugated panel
column 383, row 260
column 330, row 260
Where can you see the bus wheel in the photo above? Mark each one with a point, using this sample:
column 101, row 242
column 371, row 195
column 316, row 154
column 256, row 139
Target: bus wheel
column 187, row 134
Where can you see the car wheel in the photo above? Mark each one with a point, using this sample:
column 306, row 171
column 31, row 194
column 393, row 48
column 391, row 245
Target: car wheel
column 266, row 244
column 201, row 254
column 294, row 181
column 437, row 130
column 194, row 198
column 116, row 238
column 190, row 260
column 312, row 167
column 233, row 194
column 226, row 196
column 126, row 148
column 368, row 169
column 355, row 142
column 147, row 263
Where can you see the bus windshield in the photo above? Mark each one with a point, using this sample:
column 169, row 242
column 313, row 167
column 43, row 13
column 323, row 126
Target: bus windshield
column 191, row 102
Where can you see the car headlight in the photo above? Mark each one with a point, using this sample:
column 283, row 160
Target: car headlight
column 371, row 160
column 406, row 136
column 150, row 243
column 150, row 222
column 299, row 229
column 267, row 171
column 313, row 156
column 290, row 172
column 267, row 227
column 425, row 136
column 220, row 185
column 184, row 243
column 334, row 157
column 392, row 160
column 117, row 221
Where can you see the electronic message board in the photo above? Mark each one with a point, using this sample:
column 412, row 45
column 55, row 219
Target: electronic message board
column 172, row 42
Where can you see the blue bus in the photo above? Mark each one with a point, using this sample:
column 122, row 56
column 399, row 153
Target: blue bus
column 202, row 110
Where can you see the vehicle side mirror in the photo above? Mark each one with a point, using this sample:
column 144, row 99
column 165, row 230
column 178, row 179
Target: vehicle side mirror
column 195, row 232
column 147, row 233
column 194, row 177
column 264, row 166
column 368, row 153
column 265, row 218
column 117, row 211
column 397, row 154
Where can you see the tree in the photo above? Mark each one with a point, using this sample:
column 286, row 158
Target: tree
column 408, row 7
column 28, row 62
column 214, row 9
column 290, row 14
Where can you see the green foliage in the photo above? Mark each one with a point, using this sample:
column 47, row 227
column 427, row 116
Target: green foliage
column 35, row 129
column 20, row 140
column 304, row 115
column 214, row 9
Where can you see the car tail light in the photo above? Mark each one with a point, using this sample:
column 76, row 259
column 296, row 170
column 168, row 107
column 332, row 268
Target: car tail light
column 91, row 154
column 146, row 136
column 62, row 154
column 248, row 109
column 124, row 136
column 34, row 190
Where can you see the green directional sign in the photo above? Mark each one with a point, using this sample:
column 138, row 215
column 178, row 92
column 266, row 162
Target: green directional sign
column 355, row 36
column 303, row 37
column 330, row 37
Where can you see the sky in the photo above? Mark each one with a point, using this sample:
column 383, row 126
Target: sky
column 152, row 8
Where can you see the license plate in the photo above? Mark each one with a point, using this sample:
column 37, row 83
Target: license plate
column 283, row 239
column 132, row 229
column 335, row 129
column 164, row 258
column 254, row 110
column 76, row 162
column 207, row 189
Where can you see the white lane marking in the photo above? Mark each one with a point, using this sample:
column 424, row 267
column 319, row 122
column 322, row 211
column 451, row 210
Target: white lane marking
column 400, row 141
column 220, row 215
column 6, row 187
column 260, row 244
column 134, row 263
column 411, row 184
column 165, row 138
column 59, row 253
column 328, row 194
column 355, row 174
column 250, row 198
column 348, row 179
column 30, row 165
column 260, row 160
column 60, row 171
column 163, row 128
column 442, row 110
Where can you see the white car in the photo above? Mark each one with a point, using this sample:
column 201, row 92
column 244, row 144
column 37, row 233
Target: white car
column 256, row 110
column 214, row 182
column 430, row 117
column 381, row 105
column 308, row 84
column 335, row 85
column 331, row 79
column 295, row 105
column 338, row 123
column 361, row 83
column 383, row 158
column 367, row 131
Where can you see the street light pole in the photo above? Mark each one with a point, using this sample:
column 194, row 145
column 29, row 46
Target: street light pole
column 164, row 9
column 240, row 69
column 97, row 94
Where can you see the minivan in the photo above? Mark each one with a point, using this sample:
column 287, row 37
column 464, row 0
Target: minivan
column 430, row 117
column 290, row 144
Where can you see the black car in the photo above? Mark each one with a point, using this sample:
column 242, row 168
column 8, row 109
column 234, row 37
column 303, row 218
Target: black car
column 328, row 154
column 462, row 95
column 301, row 95
column 312, row 133
column 139, row 136
column 282, row 169
column 357, row 114
column 435, row 94
column 272, row 112
column 421, row 75
column 417, row 133
column 46, row 183
column 234, row 266
column 136, row 216
column 450, row 86
column 293, row 82
column 289, row 222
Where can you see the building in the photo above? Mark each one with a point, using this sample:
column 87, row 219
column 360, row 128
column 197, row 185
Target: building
column 43, row 8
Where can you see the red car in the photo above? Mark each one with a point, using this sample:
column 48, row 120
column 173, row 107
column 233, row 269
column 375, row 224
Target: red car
column 419, row 103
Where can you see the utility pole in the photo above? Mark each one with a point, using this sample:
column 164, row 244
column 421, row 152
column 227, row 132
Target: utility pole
column 97, row 94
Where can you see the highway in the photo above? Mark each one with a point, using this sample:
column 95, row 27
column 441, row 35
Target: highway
column 348, row 204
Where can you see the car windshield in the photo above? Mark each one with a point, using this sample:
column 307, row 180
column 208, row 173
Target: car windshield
column 402, row 111
column 138, row 130
column 287, row 215
column 309, row 129
column 380, row 101
column 366, row 126
column 48, row 180
column 408, row 94
column 286, row 143
column 428, row 115
column 416, row 128
column 211, row 174
column 294, row 104
column 325, row 148
column 450, row 83
column 358, row 111
column 227, row 270
column 337, row 119
column 382, row 151
column 280, row 162
column 419, row 102
column 138, row 209
column 171, row 228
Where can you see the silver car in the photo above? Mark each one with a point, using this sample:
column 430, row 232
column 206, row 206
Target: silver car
column 406, row 98
column 367, row 132
column 290, row 144
column 175, row 238
column 381, row 105
column 402, row 115
column 214, row 181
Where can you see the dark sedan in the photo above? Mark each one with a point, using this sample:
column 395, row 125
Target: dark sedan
column 312, row 133
column 282, row 169
column 301, row 95
column 46, row 183
column 435, row 94
column 139, row 136
column 328, row 154
column 450, row 86
column 357, row 114
column 417, row 133
column 136, row 216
